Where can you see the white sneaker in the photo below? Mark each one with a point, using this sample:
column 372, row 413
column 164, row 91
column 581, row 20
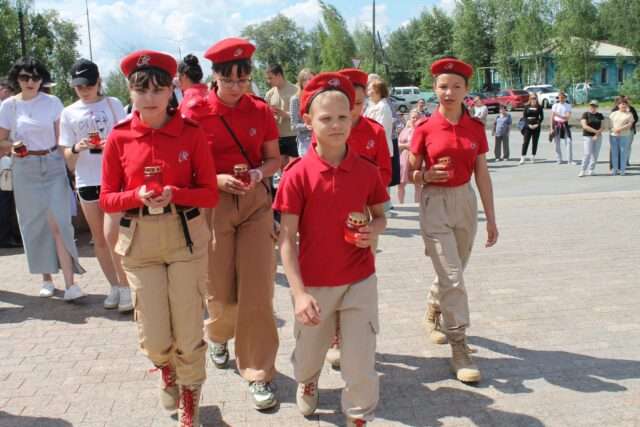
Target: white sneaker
column 614, row 172
column 125, row 304
column 111, row 301
column 581, row 173
column 73, row 293
column 533, row 159
column 47, row 290
column 522, row 159
column 590, row 173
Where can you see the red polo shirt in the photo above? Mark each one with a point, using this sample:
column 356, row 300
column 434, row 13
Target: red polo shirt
column 179, row 147
column 323, row 196
column 252, row 122
column 368, row 139
column 194, row 101
column 436, row 137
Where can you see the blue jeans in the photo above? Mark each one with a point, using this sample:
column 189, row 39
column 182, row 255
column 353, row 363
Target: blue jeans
column 619, row 151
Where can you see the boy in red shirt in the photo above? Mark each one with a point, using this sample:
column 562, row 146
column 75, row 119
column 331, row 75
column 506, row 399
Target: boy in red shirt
column 328, row 275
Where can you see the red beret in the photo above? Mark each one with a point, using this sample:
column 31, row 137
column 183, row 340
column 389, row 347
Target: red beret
column 356, row 76
column 324, row 82
column 142, row 59
column 230, row 49
column 452, row 66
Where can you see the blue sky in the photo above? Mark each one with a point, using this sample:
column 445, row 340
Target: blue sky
column 119, row 27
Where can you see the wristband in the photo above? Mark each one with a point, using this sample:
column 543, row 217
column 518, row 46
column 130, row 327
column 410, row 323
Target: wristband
column 259, row 173
column 73, row 149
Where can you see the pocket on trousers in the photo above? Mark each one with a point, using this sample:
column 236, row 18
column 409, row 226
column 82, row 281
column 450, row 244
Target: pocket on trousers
column 125, row 236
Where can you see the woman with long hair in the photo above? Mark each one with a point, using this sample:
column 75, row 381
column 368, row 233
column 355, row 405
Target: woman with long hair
column 31, row 119
column 534, row 116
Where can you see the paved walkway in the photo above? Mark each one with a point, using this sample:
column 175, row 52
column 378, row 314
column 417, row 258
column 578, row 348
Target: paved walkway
column 554, row 311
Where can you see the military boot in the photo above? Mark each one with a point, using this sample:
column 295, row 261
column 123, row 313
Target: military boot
column 189, row 409
column 461, row 363
column 433, row 326
column 168, row 387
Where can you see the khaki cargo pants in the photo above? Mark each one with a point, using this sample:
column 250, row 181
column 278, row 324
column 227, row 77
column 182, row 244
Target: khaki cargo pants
column 357, row 306
column 168, row 285
column 448, row 220
column 241, row 281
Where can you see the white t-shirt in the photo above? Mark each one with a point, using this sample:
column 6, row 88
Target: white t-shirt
column 561, row 110
column 481, row 112
column 381, row 113
column 75, row 122
column 32, row 121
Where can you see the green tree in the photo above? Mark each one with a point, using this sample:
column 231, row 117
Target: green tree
column 279, row 41
column 531, row 36
column 316, row 38
column 364, row 48
column 116, row 85
column 338, row 47
column 620, row 23
column 434, row 39
column 9, row 38
column 574, row 39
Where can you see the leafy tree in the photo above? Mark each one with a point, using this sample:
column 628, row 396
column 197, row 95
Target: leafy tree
column 9, row 38
column 279, row 41
column 364, row 48
column 338, row 47
column 316, row 40
column 620, row 23
column 116, row 85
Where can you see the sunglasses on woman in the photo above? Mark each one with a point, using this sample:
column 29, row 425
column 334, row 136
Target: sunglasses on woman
column 24, row 78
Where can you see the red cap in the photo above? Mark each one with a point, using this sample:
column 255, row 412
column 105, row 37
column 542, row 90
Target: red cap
column 142, row 59
column 324, row 82
column 230, row 49
column 356, row 76
column 452, row 66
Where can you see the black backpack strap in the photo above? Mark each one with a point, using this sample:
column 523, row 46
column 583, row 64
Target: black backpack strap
column 237, row 141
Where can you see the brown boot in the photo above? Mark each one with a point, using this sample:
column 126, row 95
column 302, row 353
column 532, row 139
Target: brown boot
column 461, row 363
column 189, row 409
column 432, row 325
column 168, row 387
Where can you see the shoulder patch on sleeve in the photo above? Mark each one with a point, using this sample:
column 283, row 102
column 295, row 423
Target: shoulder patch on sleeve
column 292, row 162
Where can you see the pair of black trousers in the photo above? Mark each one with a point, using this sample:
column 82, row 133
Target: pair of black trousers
column 530, row 135
column 9, row 231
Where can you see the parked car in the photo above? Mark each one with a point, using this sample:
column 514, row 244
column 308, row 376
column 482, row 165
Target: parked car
column 411, row 94
column 492, row 104
column 399, row 104
column 513, row 98
column 547, row 95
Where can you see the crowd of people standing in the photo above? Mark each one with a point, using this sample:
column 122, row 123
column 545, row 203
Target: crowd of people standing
column 186, row 216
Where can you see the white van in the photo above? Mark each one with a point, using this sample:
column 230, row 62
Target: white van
column 410, row 94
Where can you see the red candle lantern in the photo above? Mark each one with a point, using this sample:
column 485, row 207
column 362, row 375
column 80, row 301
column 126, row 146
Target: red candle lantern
column 95, row 142
column 241, row 173
column 354, row 221
column 20, row 149
column 448, row 163
column 153, row 179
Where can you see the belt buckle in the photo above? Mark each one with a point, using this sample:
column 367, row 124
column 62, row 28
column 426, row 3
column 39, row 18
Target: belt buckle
column 155, row 211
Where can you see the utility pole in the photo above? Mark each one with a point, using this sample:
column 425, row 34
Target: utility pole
column 86, row 3
column 23, row 41
column 373, row 34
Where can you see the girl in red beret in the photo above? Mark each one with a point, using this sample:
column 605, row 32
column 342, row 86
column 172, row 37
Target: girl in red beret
column 158, row 170
column 446, row 150
column 243, row 137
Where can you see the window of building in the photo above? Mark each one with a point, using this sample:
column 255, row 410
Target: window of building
column 620, row 75
column 603, row 76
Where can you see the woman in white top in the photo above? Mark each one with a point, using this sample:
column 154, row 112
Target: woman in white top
column 560, row 114
column 41, row 190
column 620, row 138
column 480, row 111
column 97, row 114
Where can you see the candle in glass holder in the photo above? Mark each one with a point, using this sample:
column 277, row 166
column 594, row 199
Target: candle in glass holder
column 95, row 141
column 354, row 221
column 447, row 162
column 153, row 179
column 241, row 173
column 20, row 149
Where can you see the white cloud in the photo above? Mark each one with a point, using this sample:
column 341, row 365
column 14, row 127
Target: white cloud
column 366, row 18
column 447, row 5
column 305, row 14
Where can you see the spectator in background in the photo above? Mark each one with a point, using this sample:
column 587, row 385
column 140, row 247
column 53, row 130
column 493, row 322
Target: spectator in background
column 501, row 129
column 421, row 108
column 9, row 232
column 279, row 99
column 620, row 137
column 592, row 133
column 560, row 114
column 404, row 145
column 534, row 116
column 635, row 121
column 303, row 134
column 480, row 111
column 194, row 92
column 379, row 110
column 40, row 185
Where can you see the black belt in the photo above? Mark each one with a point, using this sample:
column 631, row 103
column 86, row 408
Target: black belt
column 184, row 213
column 165, row 210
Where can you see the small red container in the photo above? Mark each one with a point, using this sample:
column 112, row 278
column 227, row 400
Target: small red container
column 20, row 149
column 354, row 221
column 241, row 173
column 94, row 139
column 446, row 160
column 153, row 179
